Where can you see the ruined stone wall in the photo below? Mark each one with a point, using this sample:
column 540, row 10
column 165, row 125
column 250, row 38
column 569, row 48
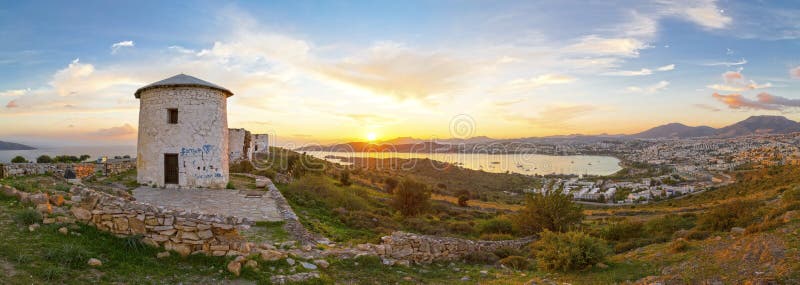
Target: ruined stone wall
column 240, row 145
column 261, row 143
column 112, row 168
column 425, row 249
column 183, row 232
column 200, row 138
column 82, row 170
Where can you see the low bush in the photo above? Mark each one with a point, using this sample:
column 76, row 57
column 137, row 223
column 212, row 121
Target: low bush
column 515, row 262
column 698, row 234
column 623, row 230
column 678, row 245
column 662, row 228
column 568, row 251
column 738, row 213
column 553, row 211
column 27, row 217
column 461, row 228
column 497, row 225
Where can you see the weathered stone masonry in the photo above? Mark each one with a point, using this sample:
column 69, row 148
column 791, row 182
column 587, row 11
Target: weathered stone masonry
column 185, row 233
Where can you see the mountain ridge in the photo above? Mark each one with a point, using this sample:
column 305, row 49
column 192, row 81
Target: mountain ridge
column 14, row 146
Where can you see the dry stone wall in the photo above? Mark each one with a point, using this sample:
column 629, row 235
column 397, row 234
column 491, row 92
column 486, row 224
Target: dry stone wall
column 183, row 232
column 82, row 170
column 425, row 249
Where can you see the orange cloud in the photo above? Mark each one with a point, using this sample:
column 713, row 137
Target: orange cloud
column 115, row 132
column 736, row 101
column 12, row 104
column 795, row 72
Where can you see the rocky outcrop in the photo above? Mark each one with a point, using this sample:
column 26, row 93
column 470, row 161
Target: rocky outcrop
column 425, row 249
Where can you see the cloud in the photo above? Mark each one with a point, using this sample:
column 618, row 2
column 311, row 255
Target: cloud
column 707, row 107
column 14, row 92
column 734, row 81
column 394, row 70
column 666, row 67
column 522, row 85
column 727, row 63
column 12, row 104
column 120, row 131
column 737, row 101
column 80, row 77
column 115, row 47
column 795, row 72
column 555, row 117
column 371, row 119
column 705, row 13
column 650, row 88
column 597, row 45
column 767, row 98
column 643, row 71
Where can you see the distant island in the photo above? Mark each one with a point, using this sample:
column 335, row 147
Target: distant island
column 14, row 146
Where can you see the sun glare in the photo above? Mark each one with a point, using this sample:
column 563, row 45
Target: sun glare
column 371, row 136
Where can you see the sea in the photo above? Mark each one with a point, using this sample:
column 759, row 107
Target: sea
column 94, row 151
column 529, row 164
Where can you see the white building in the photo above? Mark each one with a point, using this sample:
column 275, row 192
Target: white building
column 183, row 133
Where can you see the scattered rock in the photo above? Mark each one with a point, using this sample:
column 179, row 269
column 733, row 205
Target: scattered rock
column 601, row 265
column 63, row 230
column 295, row 278
column 272, row 255
column 44, row 208
column 484, row 272
column 163, row 254
column 308, row 266
column 33, row 227
column 737, row 230
column 252, row 264
column 81, row 213
column 321, row 263
column 182, row 249
column 235, row 267
column 791, row 215
column 465, row 278
column 94, row 262
column 48, row 221
column 290, row 261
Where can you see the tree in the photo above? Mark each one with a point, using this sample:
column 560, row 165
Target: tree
column 44, row 159
column 463, row 197
column 552, row 210
column 391, row 184
column 18, row 159
column 601, row 198
column 84, row 157
column 344, row 177
column 411, row 197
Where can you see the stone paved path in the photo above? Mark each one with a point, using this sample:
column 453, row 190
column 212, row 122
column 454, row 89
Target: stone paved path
column 208, row 201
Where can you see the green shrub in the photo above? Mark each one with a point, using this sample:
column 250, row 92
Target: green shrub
column 515, row 262
column 27, row 217
column 18, row 159
column 568, row 251
column 678, row 245
column 230, row 185
column 411, row 197
column 53, row 273
column 496, row 226
column 344, row 178
column 738, row 213
column 553, row 211
column 44, row 159
column 623, row 230
column 462, row 228
column 496, row 237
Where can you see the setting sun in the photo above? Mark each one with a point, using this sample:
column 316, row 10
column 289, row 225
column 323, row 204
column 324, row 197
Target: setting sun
column 371, row 136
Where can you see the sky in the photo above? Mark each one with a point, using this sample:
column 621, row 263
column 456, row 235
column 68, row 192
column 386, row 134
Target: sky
column 337, row 71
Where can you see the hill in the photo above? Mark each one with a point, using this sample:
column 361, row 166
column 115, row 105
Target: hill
column 751, row 126
column 14, row 146
column 676, row 130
